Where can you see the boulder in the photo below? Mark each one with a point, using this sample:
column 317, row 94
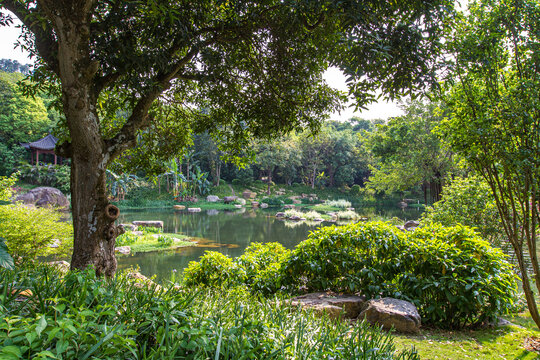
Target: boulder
column 55, row 244
column 241, row 201
column 212, row 198
column 295, row 201
column 238, row 206
column 246, row 194
column 402, row 204
column 392, row 313
column 229, row 199
column 129, row 227
column 280, row 214
column 411, row 225
column 296, row 218
column 255, row 203
column 334, row 305
column 194, row 210
column 126, row 250
column 179, row 207
column 288, row 206
column 313, row 195
column 149, row 223
column 44, row 197
column 280, row 193
column 350, row 209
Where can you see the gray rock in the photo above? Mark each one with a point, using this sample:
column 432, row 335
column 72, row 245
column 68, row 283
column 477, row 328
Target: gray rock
column 296, row 218
column 264, row 205
column 55, row 244
column 126, row 250
column 280, row 214
column 255, row 203
column 241, row 201
column 149, row 223
column 392, row 313
column 348, row 306
column 45, row 197
column 229, row 199
column 129, row 227
column 194, row 210
column 238, row 206
column 212, row 198
column 411, row 224
column 288, row 206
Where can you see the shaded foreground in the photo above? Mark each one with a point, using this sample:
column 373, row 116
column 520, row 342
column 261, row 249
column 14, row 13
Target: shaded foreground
column 78, row 316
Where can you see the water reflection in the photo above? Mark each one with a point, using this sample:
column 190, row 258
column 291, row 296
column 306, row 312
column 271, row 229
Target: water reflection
column 228, row 232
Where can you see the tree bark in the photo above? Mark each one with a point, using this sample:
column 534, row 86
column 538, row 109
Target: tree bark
column 93, row 216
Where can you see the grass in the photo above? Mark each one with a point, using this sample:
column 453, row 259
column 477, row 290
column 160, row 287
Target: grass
column 151, row 242
column 492, row 343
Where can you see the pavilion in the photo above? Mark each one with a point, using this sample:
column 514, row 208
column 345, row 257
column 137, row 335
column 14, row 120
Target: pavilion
column 42, row 146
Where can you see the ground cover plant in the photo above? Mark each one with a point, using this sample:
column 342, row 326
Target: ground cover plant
column 79, row 316
column 152, row 240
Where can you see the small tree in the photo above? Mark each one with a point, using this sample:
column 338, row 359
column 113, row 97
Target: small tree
column 494, row 97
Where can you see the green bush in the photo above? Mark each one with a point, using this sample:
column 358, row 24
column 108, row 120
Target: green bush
column 341, row 203
column 151, row 230
column 468, row 201
column 259, row 268
column 127, row 238
column 30, row 231
column 213, row 269
column 454, row 277
column 165, row 241
column 350, row 258
column 277, row 200
column 356, row 190
column 6, row 183
column 57, row 176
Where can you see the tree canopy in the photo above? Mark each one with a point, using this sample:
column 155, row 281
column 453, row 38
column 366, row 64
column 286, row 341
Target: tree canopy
column 236, row 69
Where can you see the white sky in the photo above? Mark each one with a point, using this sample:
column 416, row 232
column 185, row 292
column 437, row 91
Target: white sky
column 334, row 77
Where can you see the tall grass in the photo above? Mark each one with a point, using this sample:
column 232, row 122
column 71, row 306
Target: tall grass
column 83, row 317
column 341, row 203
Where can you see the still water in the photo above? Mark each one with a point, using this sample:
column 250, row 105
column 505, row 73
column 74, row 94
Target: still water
column 228, row 232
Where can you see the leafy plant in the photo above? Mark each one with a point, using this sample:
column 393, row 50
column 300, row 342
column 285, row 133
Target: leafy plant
column 6, row 261
column 341, row 203
column 127, row 238
column 165, row 241
column 151, row 230
column 213, row 269
column 30, row 231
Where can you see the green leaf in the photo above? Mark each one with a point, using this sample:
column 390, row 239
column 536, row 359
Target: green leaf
column 42, row 324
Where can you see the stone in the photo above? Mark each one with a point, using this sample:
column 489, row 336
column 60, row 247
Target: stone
column 411, row 224
column 288, row 206
column 295, row 201
column 280, row 193
column 238, row 206
column 44, row 197
column 179, row 207
column 126, row 250
column 246, row 194
column 255, row 203
column 392, row 313
column 313, row 195
column 282, row 189
column 55, row 244
column 137, row 233
column 402, row 204
column 334, row 305
column 212, row 198
column 140, row 281
column 149, row 223
column 280, row 214
column 129, row 227
column 61, row 265
column 296, row 218
column 229, row 199
column 304, row 196
column 194, row 210
column 241, row 201
column 350, row 209
column 264, row 205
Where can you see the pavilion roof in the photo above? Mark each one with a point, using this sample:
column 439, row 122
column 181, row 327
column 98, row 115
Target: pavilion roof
column 47, row 143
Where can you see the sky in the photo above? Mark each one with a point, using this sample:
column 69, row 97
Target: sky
column 334, row 77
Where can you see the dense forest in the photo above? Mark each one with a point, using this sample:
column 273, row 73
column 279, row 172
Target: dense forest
column 376, row 156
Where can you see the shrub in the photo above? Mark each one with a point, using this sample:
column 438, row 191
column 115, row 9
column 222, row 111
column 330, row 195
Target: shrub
column 127, row 238
column 350, row 258
column 455, row 277
column 347, row 215
column 289, row 213
column 57, row 176
column 341, row 203
column 259, row 268
column 213, row 269
column 165, row 241
column 356, row 190
column 30, row 231
column 312, row 215
column 6, row 183
column 151, row 230
column 468, row 201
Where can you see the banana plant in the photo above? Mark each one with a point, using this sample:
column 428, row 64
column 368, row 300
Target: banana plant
column 119, row 185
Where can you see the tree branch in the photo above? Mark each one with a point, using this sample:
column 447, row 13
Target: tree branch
column 45, row 42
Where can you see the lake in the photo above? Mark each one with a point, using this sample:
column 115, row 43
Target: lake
column 228, row 232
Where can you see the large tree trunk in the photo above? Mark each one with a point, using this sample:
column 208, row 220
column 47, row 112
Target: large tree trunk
column 93, row 216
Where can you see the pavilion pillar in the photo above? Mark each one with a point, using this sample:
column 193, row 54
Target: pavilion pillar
column 54, row 159
column 37, row 157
